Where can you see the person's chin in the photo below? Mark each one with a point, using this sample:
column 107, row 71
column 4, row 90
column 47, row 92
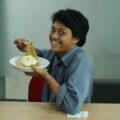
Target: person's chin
column 55, row 50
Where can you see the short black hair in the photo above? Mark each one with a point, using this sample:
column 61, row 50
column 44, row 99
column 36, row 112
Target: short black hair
column 74, row 20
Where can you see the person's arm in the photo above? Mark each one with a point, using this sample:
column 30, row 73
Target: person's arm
column 53, row 84
column 22, row 45
column 78, row 88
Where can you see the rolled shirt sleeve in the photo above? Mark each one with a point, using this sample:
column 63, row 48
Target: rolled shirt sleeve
column 76, row 83
column 78, row 88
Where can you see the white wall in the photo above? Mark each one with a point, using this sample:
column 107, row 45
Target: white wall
column 31, row 19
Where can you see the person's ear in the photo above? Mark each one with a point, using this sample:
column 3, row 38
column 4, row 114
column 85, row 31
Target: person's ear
column 76, row 40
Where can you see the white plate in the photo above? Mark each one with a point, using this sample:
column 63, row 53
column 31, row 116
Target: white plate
column 14, row 61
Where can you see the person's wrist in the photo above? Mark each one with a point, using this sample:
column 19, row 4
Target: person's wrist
column 45, row 74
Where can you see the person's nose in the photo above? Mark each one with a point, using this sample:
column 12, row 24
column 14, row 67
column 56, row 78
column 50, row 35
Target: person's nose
column 55, row 35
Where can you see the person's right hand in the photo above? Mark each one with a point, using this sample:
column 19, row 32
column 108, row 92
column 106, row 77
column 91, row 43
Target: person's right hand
column 21, row 44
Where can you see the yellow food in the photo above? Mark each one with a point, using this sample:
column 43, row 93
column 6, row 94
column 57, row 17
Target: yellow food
column 30, row 57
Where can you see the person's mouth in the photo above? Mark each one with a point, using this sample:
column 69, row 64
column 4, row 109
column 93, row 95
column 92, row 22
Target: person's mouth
column 55, row 43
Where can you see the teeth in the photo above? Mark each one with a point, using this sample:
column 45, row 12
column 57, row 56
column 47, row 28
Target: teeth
column 55, row 43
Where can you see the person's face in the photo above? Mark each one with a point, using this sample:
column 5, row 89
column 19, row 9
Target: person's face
column 61, row 38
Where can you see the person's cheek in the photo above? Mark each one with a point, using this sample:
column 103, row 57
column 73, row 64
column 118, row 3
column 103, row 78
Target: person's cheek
column 50, row 36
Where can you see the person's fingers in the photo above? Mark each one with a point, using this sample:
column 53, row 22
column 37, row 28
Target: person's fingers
column 18, row 40
column 40, row 72
column 29, row 73
column 15, row 41
column 33, row 74
column 21, row 44
column 34, row 69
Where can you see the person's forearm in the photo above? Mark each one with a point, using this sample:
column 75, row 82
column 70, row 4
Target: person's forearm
column 53, row 84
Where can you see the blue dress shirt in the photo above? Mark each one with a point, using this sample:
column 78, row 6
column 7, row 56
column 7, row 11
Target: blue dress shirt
column 74, row 72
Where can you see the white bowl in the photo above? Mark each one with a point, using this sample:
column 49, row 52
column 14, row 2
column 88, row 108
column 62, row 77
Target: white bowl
column 14, row 61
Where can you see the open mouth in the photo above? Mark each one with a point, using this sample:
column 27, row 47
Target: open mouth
column 55, row 44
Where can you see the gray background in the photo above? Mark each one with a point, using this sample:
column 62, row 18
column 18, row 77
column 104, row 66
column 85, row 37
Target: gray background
column 30, row 19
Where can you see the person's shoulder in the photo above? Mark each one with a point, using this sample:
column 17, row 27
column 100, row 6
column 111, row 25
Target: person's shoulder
column 47, row 53
column 82, row 55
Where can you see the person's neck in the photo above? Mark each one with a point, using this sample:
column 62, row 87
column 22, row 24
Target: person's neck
column 62, row 54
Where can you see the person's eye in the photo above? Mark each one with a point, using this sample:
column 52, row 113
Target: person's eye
column 52, row 30
column 61, row 33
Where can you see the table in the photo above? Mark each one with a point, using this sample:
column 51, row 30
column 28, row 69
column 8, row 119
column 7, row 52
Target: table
column 49, row 111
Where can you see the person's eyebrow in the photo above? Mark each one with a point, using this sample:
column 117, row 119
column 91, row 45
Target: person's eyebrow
column 64, row 28
column 61, row 28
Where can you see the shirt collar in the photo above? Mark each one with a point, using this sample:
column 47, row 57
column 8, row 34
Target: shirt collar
column 66, row 59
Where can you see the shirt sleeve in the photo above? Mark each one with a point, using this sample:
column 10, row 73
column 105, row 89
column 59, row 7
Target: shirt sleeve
column 46, row 54
column 78, row 88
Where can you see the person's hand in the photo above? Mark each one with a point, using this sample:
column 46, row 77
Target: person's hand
column 36, row 72
column 21, row 44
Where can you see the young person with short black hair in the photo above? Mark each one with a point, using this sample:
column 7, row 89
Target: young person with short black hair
column 69, row 77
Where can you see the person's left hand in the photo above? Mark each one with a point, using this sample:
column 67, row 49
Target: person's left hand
column 36, row 72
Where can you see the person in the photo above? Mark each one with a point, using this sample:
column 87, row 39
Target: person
column 69, row 76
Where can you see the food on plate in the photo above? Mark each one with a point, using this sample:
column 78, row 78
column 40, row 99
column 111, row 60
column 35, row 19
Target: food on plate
column 30, row 57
